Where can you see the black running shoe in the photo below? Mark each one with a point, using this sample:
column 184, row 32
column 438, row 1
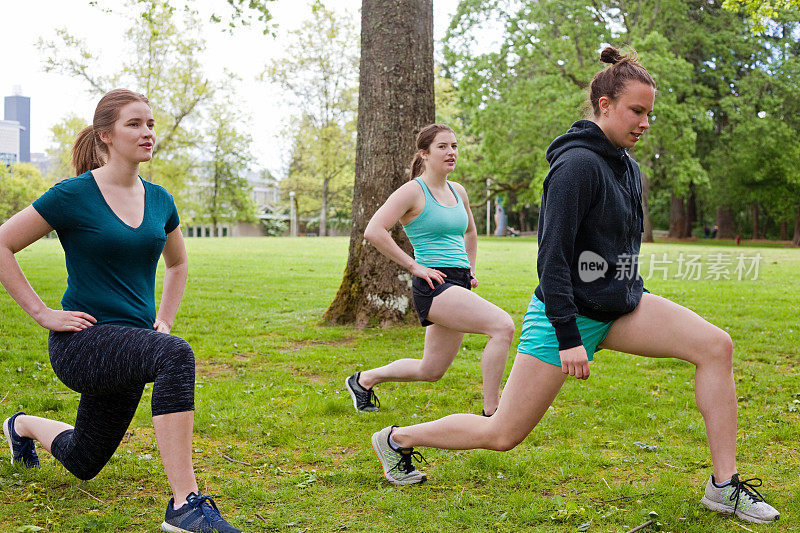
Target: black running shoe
column 363, row 399
column 198, row 515
column 22, row 448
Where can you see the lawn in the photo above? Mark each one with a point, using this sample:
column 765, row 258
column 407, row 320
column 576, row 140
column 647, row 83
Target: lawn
column 278, row 442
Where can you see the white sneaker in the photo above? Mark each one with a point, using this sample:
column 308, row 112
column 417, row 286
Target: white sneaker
column 396, row 463
column 741, row 498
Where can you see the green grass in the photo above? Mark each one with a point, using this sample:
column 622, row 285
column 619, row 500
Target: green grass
column 269, row 394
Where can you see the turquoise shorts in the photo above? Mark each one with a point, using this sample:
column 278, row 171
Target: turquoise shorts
column 538, row 337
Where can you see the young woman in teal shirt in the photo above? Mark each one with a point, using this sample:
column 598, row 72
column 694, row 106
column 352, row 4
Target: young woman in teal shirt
column 436, row 216
column 108, row 341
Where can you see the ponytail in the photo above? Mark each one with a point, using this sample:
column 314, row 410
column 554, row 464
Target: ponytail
column 85, row 153
column 417, row 166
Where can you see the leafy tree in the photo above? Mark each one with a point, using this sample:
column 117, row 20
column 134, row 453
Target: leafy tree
column 321, row 172
column 320, row 71
column 225, row 193
column 19, row 186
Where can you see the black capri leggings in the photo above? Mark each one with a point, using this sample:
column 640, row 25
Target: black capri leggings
column 109, row 365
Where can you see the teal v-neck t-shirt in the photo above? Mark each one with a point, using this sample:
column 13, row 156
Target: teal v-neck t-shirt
column 111, row 266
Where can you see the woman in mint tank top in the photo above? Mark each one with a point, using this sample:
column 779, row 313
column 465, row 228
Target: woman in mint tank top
column 436, row 216
column 108, row 340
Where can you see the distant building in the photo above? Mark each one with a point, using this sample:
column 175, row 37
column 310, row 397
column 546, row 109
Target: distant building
column 42, row 162
column 9, row 142
column 18, row 108
column 265, row 194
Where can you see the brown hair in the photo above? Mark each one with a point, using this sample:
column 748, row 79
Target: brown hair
column 425, row 138
column 89, row 151
column 612, row 80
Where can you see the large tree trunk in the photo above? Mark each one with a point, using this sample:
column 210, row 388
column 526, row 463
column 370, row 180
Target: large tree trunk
column 726, row 226
column 796, row 239
column 756, row 227
column 677, row 218
column 395, row 100
column 647, row 236
column 784, row 230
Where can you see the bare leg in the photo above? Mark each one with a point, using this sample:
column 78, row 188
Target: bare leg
column 42, row 430
column 441, row 347
column 661, row 328
column 174, row 437
column 531, row 388
column 454, row 312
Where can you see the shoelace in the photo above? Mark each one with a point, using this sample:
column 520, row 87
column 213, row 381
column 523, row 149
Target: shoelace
column 373, row 399
column 207, row 506
column 745, row 485
column 27, row 451
column 406, row 460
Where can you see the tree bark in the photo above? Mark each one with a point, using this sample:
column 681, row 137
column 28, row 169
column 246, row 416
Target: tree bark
column 726, row 227
column 647, row 236
column 756, row 227
column 691, row 212
column 784, row 230
column 677, row 218
column 796, row 239
column 323, row 211
column 395, row 101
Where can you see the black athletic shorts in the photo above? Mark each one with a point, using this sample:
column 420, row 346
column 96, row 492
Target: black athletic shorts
column 424, row 295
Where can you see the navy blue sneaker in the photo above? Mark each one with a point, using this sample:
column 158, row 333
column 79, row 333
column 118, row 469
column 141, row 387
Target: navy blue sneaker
column 198, row 515
column 22, row 448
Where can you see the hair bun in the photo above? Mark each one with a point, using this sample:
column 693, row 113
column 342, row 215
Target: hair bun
column 610, row 55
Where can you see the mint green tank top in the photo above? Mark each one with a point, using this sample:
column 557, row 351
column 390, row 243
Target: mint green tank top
column 437, row 234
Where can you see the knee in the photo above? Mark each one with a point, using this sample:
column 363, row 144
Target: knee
column 431, row 374
column 720, row 349
column 505, row 440
column 85, row 473
column 84, row 468
column 179, row 351
column 504, row 329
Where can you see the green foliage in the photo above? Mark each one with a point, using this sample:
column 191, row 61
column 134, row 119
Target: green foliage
column 320, row 70
column 721, row 88
column 224, row 192
column 63, row 136
column 763, row 11
column 269, row 393
column 19, row 186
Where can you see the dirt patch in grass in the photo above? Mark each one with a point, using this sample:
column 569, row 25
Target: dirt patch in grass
column 306, row 343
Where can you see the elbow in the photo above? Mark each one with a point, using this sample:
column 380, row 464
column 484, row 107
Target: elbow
column 370, row 233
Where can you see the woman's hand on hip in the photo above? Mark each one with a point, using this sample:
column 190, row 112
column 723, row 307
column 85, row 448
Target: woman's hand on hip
column 428, row 274
column 65, row 320
column 161, row 326
column 473, row 281
column 575, row 362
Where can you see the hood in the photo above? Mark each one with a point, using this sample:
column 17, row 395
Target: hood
column 587, row 134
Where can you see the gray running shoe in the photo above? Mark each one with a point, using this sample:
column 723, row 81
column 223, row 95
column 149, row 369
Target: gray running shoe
column 397, row 463
column 363, row 399
column 741, row 498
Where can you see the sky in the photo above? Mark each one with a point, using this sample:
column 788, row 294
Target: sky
column 53, row 95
